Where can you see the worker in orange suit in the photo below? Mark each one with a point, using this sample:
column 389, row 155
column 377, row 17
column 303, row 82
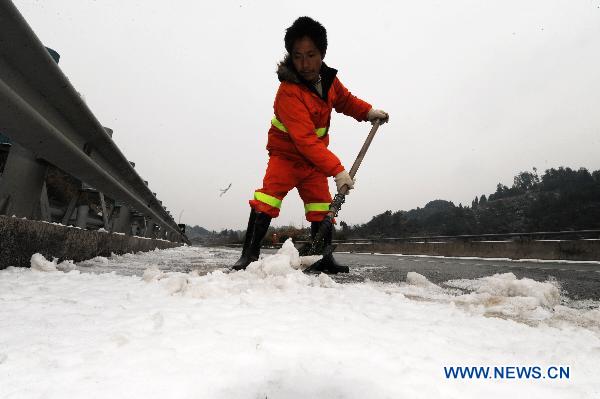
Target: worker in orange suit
column 299, row 136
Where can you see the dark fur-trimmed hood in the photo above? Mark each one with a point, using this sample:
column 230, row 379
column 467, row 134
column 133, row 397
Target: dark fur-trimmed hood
column 287, row 73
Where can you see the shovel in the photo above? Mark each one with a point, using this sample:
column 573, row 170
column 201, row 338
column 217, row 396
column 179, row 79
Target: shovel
column 317, row 246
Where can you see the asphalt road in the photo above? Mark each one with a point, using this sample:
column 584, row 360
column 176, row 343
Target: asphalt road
column 578, row 280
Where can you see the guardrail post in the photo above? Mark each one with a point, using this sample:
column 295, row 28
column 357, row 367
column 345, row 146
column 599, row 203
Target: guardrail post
column 70, row 208
column 21, row 184
column 148, row 228
column 45, row 210
column 104, row 211
column 82, row 216
column 122, row 223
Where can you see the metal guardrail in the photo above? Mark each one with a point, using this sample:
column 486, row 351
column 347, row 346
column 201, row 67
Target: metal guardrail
column 41, row 111
column 540, row 235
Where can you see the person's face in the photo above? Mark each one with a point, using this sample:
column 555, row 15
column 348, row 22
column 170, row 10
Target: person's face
column 307, row 59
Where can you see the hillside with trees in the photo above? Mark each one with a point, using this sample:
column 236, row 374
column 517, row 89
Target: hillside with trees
column 560, row 199
column 196, row 231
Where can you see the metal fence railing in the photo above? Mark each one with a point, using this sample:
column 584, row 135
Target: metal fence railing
column 42, row 112
column 539, row 235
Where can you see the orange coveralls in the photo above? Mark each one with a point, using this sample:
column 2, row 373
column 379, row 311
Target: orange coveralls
column 297, row 144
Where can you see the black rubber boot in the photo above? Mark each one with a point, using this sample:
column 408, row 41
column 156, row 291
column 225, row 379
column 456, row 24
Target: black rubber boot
column 258, row 224
column 243, row 260
column 328, row 264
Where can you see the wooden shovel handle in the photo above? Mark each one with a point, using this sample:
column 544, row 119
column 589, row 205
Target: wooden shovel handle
column 344, row 190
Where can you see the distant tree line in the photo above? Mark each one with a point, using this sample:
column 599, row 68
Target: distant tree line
column 200, row 235
column 560, row 199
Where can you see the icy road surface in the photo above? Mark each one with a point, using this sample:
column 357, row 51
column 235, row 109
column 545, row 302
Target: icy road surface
column 164, row 324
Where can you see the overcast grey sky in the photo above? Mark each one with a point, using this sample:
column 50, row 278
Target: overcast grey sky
column 477, row 91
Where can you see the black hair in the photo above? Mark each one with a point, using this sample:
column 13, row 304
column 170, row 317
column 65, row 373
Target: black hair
column 306, row 26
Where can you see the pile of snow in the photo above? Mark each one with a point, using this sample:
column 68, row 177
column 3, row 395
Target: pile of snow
column 280, row 272
column 40, row 264
column 505, row 295
column 507, row 285
column 147, row 331
column 419, row 280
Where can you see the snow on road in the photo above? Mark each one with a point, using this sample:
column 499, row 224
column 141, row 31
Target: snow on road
column 160, row 325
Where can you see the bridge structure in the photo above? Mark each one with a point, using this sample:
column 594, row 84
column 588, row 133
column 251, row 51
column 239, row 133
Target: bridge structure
column 58, row 163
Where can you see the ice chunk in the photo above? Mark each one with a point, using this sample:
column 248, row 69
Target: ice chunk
column 175, row 284
column 274, row 265
column 419, row 280
column 152, row 274
column 288, row 249
column 40, row 264
column 507, row 285
column 66, row 266
column 284, row 262
column 323, row 280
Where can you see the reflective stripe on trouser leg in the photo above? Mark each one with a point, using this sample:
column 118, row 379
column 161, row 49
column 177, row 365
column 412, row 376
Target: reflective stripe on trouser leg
column 267, row 199
column 314, row 192
column 316, row 207
column 266, row 203
column 315, row 212
column 280, row 177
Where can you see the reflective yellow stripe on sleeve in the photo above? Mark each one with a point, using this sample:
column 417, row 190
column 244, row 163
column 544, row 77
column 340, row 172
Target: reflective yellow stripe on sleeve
column 316, row 207
column 275, row 122
column 320, row 132
column 267, row 199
